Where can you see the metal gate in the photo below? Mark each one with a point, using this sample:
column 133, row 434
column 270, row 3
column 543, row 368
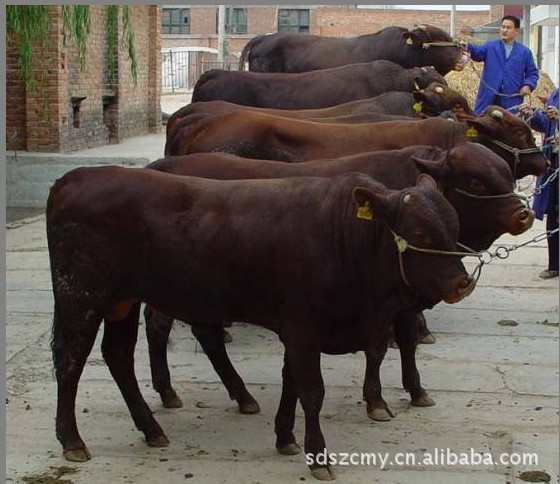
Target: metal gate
column 181, row 67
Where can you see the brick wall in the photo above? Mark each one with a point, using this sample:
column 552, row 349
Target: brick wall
column 74, row 109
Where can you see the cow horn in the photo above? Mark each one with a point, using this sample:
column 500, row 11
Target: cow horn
column 439, row 89
column 497, row 114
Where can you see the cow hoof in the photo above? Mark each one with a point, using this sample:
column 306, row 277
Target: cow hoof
column 159, row 441
column 380, row 414
column 428, row 339
column 249, row 408
column 171, row 400
column 323, row 474
column 423, row 401
column 289, row 449
column 228, row 338
column 77, row 455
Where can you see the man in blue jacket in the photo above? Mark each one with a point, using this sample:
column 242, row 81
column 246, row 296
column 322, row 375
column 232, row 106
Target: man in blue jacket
column 546, row 198
column 509, row 71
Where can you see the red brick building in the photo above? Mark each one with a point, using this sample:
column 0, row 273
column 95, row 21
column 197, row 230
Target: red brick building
column 73, row 109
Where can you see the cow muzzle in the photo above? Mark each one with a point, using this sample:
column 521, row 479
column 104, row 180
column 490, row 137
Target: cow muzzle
column 463, row 288
column 462, row 62
column 523, row 221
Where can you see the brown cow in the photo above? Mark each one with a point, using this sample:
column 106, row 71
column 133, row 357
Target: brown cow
column 425, row 45
column 431, row 101
column 253, row 134
column 476, row 181
column 310, row 90
column 303, row 255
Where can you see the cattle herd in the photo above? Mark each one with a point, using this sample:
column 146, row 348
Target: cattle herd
column 329, row 194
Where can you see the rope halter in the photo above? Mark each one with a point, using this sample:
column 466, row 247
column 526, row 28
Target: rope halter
column 516, row 152
column 442, row 43
column 403, row 245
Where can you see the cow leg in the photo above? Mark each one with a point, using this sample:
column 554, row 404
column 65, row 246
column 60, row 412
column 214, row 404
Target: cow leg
column 73, row 336
column 158, row 327
column 377, row 408
column 285, row 416
column 406, row 335
column 211, row 338
column 304, row 361
column 119, row 341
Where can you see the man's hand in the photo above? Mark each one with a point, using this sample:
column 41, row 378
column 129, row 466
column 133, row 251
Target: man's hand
column 551, row 113
column 525, row 110
column 525, row 90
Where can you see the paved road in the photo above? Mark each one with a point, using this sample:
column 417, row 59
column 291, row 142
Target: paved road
column 493, row 373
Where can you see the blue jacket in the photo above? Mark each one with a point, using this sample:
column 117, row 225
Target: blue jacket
column 539, row 122
column 503, row 75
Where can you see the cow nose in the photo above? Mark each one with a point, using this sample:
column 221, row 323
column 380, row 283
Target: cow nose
column 464, row 287
column 525, row 219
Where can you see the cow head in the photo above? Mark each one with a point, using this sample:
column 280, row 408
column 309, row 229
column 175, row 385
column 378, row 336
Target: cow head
column 422, row 219
column 479, row 185
column 422, row 77
column 435, row 47
column 510, row 137
column 438, row 97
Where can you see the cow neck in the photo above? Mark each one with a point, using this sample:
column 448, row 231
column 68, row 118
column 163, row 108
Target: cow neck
column 369, row 251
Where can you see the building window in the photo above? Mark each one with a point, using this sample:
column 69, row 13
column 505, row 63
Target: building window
column 236, row 21
column 176, row 21
column 293, row 20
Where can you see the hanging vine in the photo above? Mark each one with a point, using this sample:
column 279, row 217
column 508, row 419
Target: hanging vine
column 25, row 26
column 28, row 26
column 127, row 42
column 76, row 24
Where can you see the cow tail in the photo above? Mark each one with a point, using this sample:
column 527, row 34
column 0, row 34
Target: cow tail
column 247, row 49
column 244, row 54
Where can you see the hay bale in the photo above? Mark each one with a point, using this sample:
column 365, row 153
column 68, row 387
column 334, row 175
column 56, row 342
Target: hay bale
column 467, row 81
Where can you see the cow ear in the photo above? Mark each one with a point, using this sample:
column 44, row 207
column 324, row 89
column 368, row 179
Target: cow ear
column 410, row 38
column 426, row 181
column 435, row 168
column 372, row 204
column 483, row 124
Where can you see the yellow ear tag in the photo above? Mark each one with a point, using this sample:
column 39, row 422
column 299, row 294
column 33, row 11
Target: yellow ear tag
column 472, row 132
column 417, row 107
column 364, row 212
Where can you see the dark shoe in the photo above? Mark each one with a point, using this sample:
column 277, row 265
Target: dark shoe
column 548, row 274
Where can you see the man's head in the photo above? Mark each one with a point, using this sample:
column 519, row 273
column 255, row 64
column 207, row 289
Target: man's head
column 509, row 28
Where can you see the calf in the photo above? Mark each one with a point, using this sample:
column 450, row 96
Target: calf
column 311, row 90
column 306, row 262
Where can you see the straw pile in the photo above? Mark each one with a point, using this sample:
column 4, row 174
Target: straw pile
column 468, row 80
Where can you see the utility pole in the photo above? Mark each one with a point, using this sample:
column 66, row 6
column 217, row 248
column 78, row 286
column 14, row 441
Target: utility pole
column 221, row 34
column 452, row 22
column 527, row 25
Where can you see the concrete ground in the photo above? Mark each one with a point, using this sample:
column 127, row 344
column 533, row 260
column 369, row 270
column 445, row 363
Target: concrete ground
column 493, row 373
